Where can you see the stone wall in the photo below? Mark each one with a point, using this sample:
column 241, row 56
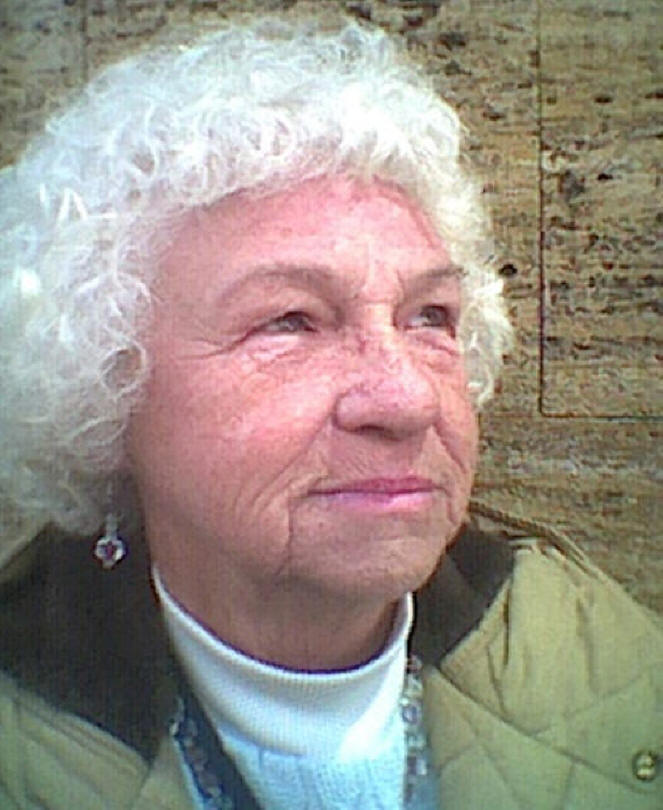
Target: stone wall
column 563, row 101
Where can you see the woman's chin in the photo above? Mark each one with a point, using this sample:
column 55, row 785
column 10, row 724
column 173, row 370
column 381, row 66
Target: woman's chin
column 382, row 568
column 384, row 548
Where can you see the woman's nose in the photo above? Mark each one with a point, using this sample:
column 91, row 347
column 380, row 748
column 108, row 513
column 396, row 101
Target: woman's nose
column 388, row 393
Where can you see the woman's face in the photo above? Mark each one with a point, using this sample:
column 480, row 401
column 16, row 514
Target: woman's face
column 307, row 420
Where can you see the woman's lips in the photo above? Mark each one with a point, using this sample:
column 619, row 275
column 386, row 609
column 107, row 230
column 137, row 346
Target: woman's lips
column 383, row 494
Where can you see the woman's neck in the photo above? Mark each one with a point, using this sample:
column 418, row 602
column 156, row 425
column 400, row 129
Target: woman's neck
column 286, row 626
column 248, row 698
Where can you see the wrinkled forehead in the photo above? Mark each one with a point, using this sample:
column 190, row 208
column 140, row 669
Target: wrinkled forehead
column 360, row 229
column 327, row 203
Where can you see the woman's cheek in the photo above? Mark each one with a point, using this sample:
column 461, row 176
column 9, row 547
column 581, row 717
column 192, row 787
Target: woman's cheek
column 278, row 392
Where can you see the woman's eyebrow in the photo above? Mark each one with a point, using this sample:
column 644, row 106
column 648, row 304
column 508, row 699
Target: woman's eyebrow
column 312, row 275
column 304, row 275
column 430, row 277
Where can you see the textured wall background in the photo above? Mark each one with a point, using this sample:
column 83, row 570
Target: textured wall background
column 563, row 100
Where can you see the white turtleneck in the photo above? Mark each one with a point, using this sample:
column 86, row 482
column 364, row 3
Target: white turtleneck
column 301, row 740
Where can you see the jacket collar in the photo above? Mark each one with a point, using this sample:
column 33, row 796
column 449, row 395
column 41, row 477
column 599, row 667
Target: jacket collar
column 92, row 642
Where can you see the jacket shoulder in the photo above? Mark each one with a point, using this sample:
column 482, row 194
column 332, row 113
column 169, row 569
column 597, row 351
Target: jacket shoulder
column 564, row 669
column 55, row 760
column 91, row 643
column 58, row 760
column 557, row 620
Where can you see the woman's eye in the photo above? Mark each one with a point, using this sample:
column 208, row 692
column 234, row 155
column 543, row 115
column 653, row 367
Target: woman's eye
column 432, row 317
column 288, row 323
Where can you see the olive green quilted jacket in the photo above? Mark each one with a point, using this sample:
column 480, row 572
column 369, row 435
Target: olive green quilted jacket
column 553, row 700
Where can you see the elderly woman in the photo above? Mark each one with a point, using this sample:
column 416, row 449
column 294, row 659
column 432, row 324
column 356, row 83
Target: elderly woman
column 248, row 318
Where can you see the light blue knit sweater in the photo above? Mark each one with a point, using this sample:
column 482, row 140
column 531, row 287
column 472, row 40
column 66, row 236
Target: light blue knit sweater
column 303, row 741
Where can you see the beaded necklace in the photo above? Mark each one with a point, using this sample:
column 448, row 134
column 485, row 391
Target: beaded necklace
column 221, row 787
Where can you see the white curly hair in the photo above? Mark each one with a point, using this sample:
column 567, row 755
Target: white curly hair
column 257, row 106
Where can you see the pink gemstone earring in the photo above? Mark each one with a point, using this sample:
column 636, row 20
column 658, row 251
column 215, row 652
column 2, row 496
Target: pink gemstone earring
column 110, row 548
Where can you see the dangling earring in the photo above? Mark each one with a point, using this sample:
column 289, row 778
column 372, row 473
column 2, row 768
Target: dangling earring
column 110, row 548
